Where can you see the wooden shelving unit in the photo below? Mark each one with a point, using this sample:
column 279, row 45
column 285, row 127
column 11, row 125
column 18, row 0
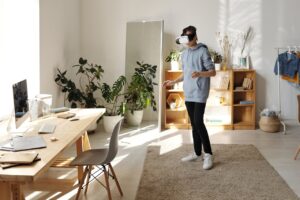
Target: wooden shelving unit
column 243, row 114
column 223, row 105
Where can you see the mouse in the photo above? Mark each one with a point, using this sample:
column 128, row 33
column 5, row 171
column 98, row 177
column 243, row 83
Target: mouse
column 53, row 139
column 74, row 119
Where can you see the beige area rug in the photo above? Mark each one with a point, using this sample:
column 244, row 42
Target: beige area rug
column 240, row 172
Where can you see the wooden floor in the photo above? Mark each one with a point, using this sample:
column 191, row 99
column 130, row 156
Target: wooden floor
column 277, row 148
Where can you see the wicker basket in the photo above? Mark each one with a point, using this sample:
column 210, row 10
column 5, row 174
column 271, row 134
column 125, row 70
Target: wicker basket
column 269, row 124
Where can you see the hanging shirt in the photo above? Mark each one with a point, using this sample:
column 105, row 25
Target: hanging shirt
column 196, row 59
column 289, row 64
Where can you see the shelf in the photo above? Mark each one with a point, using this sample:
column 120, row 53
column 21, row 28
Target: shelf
column 218, row 105
column 175, row 90
column 174, row 71
column 243, row 123
column 243, row 105
column 176, row 109
column 219, row 90
column 244, row 70
column 243, row 90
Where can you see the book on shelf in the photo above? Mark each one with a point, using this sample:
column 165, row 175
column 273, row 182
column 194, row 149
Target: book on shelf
column 224, row 83
column 247, row 83
column 246, row 102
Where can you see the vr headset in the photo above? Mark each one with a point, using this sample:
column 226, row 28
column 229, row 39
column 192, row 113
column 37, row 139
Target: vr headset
column 184, row 39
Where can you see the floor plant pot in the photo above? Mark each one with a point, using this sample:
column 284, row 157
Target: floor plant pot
column 135, row 118
column 109, row 122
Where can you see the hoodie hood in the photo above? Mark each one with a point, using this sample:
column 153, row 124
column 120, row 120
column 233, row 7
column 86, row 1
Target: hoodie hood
column 199, row 45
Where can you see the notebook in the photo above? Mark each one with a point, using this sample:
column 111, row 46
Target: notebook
column 8, row 165
column 23, row 143
column 18, row 157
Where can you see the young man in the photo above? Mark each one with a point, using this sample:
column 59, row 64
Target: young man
column 197, row 69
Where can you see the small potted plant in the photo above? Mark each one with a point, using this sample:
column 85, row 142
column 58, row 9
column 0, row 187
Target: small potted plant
column 140, row 93
column 174, row 57
column 115, row 108
column 216, row 58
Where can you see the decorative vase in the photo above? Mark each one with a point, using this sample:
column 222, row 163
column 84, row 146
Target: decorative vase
column 217, row 66
column 135, row 118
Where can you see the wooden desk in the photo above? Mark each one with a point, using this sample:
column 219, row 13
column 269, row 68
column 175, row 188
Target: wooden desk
column 67, row 132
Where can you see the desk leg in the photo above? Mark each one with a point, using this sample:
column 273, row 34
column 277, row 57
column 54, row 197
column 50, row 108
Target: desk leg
column 17, row 192
column 82, row 144
column 11, row 191
column 5, row 190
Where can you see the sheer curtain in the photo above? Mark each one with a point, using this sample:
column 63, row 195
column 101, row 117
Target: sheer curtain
column 19, row 49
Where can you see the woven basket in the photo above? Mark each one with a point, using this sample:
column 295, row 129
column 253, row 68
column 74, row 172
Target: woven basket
column 269, row 124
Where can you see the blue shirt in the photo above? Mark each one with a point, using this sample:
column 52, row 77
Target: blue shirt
column 196, row 59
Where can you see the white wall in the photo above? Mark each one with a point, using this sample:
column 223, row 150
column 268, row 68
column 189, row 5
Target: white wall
column 19, row 49
column 59, row 43
column 103, row 25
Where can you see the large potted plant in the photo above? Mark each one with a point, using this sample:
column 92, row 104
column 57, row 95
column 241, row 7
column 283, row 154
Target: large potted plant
column 83, row 93
column 89, row 82
column 140, row 93
column 115, row 108
column 173, row 58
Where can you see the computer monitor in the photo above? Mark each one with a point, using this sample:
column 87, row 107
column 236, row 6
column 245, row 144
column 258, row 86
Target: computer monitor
column 21, row 108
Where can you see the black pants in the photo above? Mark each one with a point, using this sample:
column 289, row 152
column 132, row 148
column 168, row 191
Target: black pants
column 200, row 135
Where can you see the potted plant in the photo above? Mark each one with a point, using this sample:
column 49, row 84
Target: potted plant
column 115, row 108
column 216, row 58
column 89, row 83
column 140, row 93
column 173, row 57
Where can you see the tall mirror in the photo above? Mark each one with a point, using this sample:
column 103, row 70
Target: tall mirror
column 144, row 43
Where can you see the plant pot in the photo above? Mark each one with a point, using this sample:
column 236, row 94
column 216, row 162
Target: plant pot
column 269, row 124
column 109, row 122
column 174, row 65
column 136, row 118
column 92, row 127
column 217, row 66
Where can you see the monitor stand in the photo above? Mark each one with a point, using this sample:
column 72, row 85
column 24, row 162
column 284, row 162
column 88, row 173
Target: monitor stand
column 13, row 131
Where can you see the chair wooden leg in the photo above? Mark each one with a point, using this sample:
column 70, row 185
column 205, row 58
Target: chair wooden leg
column 106, row 176
column 81, row 182
column 88, row 178
column 116, row 179
column 297, row 153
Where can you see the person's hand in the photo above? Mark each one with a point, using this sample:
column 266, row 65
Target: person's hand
column 168, row 83
column 196, row 74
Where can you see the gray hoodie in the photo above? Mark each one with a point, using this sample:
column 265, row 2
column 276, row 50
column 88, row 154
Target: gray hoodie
column 196, row 59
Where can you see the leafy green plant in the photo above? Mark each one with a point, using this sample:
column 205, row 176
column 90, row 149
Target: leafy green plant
column 140, row 92
column 89, row 80
column 215, row 56
column 174, row 55
column 112, row 94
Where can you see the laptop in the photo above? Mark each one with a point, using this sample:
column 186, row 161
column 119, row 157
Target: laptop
column 23, row 143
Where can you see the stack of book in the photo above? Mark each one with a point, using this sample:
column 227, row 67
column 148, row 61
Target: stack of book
column 12, row 159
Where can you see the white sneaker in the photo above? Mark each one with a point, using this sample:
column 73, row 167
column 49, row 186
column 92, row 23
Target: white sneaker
column 208, row 161
column 191, row 157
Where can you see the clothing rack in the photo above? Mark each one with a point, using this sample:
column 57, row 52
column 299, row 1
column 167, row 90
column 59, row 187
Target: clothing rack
column 289, row 48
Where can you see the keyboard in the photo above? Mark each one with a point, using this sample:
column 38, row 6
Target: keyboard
column 47, row 128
